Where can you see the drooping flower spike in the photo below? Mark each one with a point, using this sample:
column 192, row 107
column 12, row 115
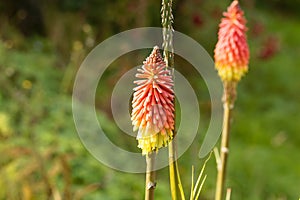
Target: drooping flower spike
column 153, row 104
column 232, row 52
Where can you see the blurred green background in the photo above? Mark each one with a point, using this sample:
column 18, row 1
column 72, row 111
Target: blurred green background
column 42, row 44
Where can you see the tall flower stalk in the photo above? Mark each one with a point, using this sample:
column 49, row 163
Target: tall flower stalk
column 231, row 60
column 153, row 112
column 167, row 20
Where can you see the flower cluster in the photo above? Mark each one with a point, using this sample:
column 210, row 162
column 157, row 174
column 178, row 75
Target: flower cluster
column 232, row 52
column 153, row 104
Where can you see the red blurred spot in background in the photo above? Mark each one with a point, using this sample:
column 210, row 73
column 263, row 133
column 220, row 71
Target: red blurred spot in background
column 197, row 20
column 269, row 48
column 257, row 29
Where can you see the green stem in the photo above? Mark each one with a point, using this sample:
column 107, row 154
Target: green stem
column 228, row 194
column 228, row 102
column 167, row 21
column 172, row 170
column 150, row 177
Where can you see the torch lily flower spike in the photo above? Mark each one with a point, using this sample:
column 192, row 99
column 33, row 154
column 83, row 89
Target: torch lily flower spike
column 232, row 52
column 231, row 60
column 153, row 104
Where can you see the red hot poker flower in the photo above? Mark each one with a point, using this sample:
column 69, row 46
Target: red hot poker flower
column 153, row 104
column 232, row 52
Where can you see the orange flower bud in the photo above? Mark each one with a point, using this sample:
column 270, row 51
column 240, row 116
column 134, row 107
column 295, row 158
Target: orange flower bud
column 153, row 104
column 232, row 52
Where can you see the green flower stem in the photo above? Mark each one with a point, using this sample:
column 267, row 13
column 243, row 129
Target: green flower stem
column 172, row 170
column 167, row 21
column 150, row 176
column 228, row 103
